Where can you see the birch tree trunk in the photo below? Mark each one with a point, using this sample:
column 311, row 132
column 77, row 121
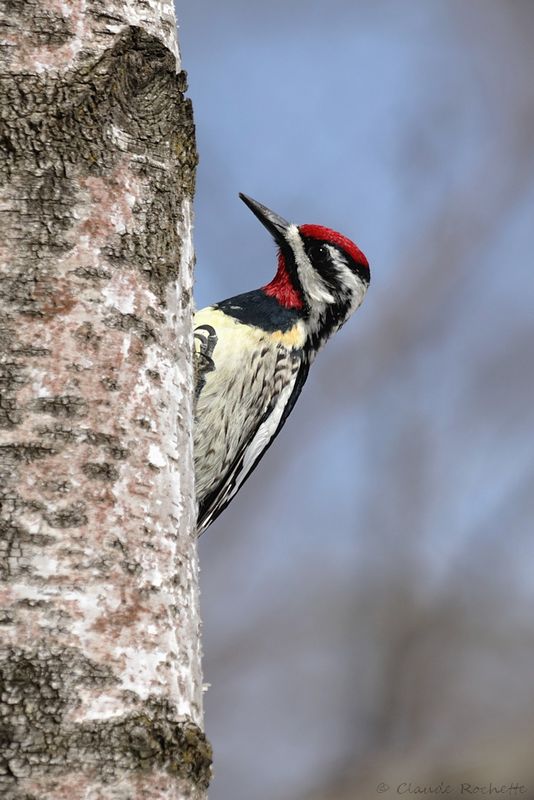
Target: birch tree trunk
column 100, row 681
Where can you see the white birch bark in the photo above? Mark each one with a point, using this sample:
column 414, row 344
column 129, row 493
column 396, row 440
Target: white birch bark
column 100, row 679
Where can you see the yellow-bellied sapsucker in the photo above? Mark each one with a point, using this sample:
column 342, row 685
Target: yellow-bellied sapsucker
column 253, row 352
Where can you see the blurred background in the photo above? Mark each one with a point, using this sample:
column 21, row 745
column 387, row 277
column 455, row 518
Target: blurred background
column 368, row 598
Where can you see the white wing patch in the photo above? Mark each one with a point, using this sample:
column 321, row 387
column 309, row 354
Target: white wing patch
column 264, row 434
column 258, row 444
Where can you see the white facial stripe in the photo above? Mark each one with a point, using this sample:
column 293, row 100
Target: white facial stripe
column 261, row 439
column 348, row 278
column 312, row 283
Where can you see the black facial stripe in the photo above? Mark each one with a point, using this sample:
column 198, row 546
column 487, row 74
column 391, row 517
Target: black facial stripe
column 319, row 257
column 332, row 317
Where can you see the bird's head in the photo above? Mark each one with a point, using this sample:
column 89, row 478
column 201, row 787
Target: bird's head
column 321, row 273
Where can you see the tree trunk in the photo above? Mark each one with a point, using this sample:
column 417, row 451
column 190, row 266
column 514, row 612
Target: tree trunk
column 100, row 680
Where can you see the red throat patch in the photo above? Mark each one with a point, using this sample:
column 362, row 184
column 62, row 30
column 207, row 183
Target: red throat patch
column 281, row 287
column 328, row 235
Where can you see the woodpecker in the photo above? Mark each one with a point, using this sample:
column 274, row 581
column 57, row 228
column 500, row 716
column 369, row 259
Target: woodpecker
column 253, row 352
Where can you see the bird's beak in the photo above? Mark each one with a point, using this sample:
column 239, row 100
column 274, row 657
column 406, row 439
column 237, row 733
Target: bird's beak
column 277, row 226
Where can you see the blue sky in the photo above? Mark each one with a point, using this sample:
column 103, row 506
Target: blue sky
column 408, row 127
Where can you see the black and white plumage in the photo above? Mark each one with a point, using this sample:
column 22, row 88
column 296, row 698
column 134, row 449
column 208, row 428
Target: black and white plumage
column 253, row 352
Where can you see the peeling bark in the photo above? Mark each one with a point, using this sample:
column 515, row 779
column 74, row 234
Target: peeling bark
column 100, row 679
